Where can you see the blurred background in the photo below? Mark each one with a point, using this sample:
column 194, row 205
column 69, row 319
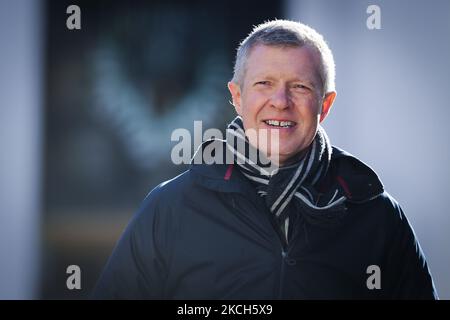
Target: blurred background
column 86, row 116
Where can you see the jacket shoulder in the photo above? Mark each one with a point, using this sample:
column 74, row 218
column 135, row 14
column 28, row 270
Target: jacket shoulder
column 167, row 192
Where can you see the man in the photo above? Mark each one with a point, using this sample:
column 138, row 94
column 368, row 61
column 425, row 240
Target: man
column 317, row 225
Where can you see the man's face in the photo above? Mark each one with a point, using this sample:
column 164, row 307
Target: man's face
column 281, row 90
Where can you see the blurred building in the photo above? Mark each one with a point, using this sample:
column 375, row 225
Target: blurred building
column 86, row 116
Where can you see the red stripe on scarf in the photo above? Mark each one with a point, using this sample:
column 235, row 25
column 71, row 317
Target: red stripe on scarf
column 344, row 186
column 228, row 173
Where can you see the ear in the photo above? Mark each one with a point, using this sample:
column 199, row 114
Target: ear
column 235, row 91
column 326, row 105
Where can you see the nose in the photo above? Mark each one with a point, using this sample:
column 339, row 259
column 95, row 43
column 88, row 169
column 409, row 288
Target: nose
column 280, row 98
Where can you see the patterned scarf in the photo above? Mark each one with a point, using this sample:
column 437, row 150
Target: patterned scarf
column 297, row 181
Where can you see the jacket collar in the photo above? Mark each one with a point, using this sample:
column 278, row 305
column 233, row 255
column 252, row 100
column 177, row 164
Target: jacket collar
column 356, row 178
column 359, row 181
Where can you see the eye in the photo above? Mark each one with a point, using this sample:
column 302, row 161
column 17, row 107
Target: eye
column 262, row 83
column 300, row 86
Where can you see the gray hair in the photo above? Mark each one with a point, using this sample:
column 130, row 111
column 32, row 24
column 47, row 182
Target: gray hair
column 287, row 33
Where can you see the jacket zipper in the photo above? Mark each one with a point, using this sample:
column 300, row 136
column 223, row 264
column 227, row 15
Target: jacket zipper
column 280, row 286
column 284, row 246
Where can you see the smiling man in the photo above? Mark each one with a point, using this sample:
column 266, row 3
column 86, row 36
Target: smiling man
column 315, row 224
column 282, row 89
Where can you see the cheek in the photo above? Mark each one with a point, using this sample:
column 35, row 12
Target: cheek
column 309, row 113
column 251, row 105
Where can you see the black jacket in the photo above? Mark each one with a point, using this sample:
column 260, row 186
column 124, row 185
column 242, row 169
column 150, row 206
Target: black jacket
column 206, row 234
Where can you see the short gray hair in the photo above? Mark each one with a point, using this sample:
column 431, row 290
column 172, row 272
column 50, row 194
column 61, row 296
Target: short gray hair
column 285, row 33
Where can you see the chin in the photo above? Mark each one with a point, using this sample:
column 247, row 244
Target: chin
column 288, row 152
column 292, row 154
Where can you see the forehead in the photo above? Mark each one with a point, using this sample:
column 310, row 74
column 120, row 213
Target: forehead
column 286, row 62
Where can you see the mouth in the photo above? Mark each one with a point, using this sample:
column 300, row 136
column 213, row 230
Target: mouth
column 280, row 123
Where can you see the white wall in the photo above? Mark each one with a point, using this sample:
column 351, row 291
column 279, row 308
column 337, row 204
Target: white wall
column 392, row 108
column 21, row 47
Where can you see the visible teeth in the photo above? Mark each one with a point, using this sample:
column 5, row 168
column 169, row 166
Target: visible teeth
column 277, row 123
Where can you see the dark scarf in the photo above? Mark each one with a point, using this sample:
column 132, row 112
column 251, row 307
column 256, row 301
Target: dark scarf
column 298, row 181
